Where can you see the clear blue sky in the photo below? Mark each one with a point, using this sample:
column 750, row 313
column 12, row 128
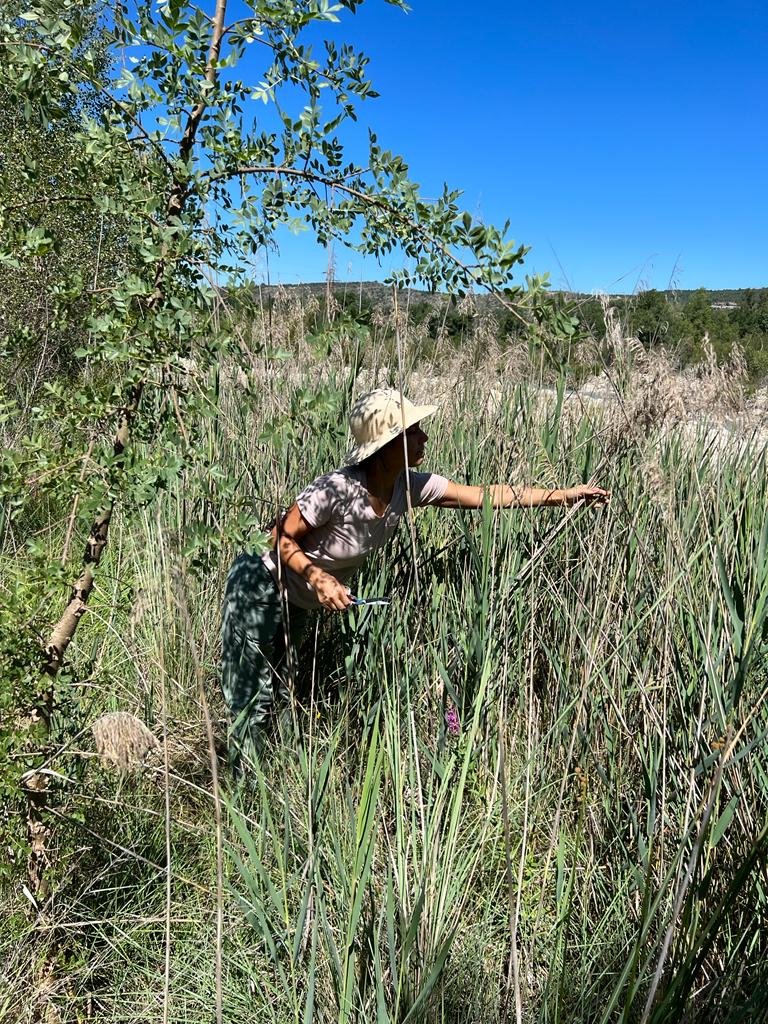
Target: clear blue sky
column 626, row 142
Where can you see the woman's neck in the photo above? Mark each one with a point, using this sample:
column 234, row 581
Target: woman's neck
column 380, row 477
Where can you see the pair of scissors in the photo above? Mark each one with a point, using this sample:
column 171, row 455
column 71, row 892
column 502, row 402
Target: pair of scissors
column 370, row 600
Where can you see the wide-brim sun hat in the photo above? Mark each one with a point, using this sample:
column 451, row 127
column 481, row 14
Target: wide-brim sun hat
column 377, row 417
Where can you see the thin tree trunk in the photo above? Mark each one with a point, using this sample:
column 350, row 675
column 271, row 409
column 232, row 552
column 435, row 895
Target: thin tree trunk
column 36, row 783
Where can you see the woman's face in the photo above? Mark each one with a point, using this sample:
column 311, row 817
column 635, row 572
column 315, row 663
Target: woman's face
column 416, row 442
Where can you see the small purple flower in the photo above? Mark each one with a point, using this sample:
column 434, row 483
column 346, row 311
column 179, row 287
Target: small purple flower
column 452, row 720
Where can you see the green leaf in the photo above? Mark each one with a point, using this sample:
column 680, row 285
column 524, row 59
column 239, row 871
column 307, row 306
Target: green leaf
column 724, row 821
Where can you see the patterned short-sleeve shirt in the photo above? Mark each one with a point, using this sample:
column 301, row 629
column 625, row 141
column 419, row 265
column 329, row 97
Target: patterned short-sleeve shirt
column 344, row 528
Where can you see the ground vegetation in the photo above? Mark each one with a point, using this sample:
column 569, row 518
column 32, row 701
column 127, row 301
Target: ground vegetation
column 533, row 788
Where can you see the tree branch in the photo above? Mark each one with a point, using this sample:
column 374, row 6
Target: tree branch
column 373, row 201
column 48, row 201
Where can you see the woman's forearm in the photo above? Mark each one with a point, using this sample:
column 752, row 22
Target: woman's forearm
column 331, row 594
column 504, row 496
column 293, row 557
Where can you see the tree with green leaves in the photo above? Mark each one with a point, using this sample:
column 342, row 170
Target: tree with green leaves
column 55, row 232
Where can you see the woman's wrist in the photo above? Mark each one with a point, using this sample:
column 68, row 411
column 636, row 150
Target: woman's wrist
column 312, row 574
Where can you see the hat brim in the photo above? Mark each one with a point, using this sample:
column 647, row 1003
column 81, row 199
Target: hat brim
column 359, row 452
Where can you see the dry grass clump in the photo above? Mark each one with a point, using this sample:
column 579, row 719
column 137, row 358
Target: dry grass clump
column 717, row 389
column 123, row 740
column 282, row 324
column 641, row 387
column 660, row 488
column 387, row 318
column 654, row 397
column 641, row 393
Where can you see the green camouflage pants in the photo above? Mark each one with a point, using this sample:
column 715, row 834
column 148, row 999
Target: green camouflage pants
column 255, row 659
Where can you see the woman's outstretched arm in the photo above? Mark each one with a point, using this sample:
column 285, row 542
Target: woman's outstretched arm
column 504, row 496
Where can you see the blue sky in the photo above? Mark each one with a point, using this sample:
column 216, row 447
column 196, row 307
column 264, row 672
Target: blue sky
column 627, row 143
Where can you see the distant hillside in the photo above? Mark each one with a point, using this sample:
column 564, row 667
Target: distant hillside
column 681, row 296
column 720, row 295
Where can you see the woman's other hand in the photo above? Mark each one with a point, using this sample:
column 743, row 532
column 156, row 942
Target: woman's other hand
column 586, row 492
column 330, row 593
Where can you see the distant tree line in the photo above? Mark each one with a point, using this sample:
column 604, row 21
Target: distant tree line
column 678, row 322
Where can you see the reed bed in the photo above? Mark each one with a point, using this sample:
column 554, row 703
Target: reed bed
column 533, row 789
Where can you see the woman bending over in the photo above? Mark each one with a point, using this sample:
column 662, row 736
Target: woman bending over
column 324, row 538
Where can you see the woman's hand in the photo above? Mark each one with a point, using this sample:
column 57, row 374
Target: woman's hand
column 330, row 593
column 586, row 492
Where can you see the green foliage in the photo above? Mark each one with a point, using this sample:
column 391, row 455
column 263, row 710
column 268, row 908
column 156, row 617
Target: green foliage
column 56, row 243
column 679, row 323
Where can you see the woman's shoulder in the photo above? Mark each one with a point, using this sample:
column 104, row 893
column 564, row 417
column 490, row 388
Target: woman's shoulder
column 426, row 488
column 347, row 477
column 336, row 484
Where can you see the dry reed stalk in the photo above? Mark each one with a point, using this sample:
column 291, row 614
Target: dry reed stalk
column 182, row 605
column 660, row 489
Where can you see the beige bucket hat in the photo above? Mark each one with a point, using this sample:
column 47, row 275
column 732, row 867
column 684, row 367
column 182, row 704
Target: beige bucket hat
column 379, row 416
